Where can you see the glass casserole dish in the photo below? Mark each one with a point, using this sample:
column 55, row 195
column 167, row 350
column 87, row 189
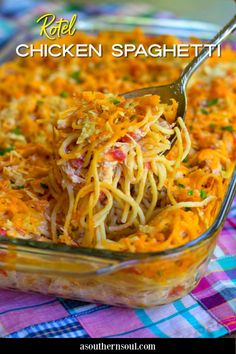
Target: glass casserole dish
column 105, row 276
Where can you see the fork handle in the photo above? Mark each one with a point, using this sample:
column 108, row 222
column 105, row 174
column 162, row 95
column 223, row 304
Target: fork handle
column 206, row 51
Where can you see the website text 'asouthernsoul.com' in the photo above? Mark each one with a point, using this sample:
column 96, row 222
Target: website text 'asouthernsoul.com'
column 118, row 346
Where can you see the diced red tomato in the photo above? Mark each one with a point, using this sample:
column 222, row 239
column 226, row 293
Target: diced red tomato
column 176, row 291
column 3, row 272
column 136, row 136
column 148, row 165
column 125, row 139
column 3, row 232
column 77, row 163
column 102, row 197
column 117, row 155
column 134, row 270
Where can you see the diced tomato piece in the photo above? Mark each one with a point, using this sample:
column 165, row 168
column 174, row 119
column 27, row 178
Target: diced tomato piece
column 3, row 272
column 176, row 291
column 117, row 155
column 77, row 163
column 3, row 232
column 125, row 139
column 134, row 270
column 136, row 136
column 148, row 165
column 102, row 197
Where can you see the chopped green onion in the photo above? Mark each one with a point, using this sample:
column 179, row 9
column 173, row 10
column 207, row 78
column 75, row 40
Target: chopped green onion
column 40, row 102
column 64, row 94
column 185, row 160
column 76, row 76
column 204, row 111
column 4, row 151
column 212, row 126
column 115, row 101
column 212, row 102
column 203, row 194
column 16, row 131
column 180, row 185
column 228, row 128
column 18, row 187
column 126, row 78
column 190, row 192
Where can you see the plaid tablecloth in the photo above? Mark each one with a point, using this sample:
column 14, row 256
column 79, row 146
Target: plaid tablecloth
column 209, row 311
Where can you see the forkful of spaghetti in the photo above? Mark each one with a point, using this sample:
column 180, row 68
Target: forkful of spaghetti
column 112, row 159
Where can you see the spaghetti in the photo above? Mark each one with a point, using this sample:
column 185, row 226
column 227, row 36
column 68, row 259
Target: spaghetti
column 111, row 162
